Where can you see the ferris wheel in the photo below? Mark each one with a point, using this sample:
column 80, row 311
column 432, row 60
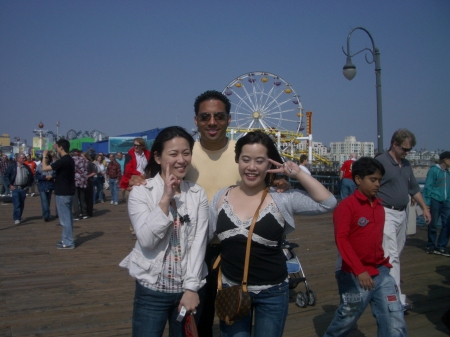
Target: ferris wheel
column 261, row 100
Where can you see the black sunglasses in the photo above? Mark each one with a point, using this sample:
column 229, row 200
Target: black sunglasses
column 218, row 116
column 405, row 149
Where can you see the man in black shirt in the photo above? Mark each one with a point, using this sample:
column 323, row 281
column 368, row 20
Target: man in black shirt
column 64, row 189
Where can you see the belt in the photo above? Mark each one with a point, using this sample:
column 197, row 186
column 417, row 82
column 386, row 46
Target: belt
column 20, row 187
column 395, row 208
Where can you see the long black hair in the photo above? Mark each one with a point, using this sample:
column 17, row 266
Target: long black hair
column 163, row 136
column 258, row 137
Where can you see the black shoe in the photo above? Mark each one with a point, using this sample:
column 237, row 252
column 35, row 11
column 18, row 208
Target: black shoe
column 407, row 307
column 46, row 219
column 442, row 252
column 430, row 250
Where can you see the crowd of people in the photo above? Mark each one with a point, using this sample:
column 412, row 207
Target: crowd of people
column 192, row 204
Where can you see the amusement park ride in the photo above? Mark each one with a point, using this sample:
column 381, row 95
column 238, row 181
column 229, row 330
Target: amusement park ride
column 266, row 102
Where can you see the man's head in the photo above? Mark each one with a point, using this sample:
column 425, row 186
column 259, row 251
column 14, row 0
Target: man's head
column 367, row 173
column 402, row 142
column 76, row 152
column 62, row 146
column 444, row 159
column 112, row 157
column 303, row 159
column 21, row 158
column 212, row 117
column 119, row 155
column 353, row 156
column 4, row 158
column 139, row 145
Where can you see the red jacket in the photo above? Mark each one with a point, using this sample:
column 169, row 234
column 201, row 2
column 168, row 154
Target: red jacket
column 358, row 231
column 130, row 168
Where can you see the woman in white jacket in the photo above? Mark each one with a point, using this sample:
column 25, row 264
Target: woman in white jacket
column 170, row 218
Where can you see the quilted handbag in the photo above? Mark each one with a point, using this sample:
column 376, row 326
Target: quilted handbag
column 234, row 303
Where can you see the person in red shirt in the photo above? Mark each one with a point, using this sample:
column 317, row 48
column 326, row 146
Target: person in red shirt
column 364, row 276
column 32, row 165
column 347, row 184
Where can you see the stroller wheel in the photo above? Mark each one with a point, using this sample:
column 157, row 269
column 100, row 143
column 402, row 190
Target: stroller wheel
column 301, row 300
column 312, row 297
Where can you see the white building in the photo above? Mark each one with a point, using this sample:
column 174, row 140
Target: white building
column 317, row 147
column 340, row 151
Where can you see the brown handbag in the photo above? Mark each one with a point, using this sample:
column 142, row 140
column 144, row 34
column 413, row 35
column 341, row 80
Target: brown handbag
column 234, row 303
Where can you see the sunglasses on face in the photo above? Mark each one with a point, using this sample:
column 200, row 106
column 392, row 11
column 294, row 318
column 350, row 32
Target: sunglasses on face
column 405, row 149
column 218, row 116
column 137, row 145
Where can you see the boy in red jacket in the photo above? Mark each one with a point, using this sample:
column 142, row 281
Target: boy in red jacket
column 364, row 276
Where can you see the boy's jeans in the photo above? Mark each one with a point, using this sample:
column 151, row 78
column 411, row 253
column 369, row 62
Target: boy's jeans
column 384, row 300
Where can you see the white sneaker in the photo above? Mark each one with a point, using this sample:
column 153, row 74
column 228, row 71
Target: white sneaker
column 116, row 203
column 32, row 194
column 112, row 202
column 16, row 222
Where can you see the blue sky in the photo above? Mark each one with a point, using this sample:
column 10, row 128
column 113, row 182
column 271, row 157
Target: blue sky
column 128, row 66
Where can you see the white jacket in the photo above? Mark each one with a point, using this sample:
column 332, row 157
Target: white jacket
column 153, row 229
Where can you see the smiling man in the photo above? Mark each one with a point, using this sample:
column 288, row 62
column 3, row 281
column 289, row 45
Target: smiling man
column 396, row 186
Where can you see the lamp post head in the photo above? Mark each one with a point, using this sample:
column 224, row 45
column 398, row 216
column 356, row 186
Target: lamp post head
column 349, row 69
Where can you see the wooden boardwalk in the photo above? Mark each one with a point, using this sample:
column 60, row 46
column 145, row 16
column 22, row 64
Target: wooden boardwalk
column 83, row 292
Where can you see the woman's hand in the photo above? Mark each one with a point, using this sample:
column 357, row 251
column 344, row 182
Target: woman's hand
column 171, row 183
column 314, row 188
column 190, row 301
column 288, row 168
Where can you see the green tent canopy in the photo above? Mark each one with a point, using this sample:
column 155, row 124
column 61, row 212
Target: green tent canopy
column 78, row 143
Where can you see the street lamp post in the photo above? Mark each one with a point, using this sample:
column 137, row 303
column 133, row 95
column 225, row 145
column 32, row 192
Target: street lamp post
column 350, row 72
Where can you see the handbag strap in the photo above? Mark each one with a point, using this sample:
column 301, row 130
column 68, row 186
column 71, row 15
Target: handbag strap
column 247, row 251
column 249, row 241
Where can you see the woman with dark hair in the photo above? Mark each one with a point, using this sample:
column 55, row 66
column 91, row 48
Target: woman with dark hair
column 170, row 218
column 46, row 186
column 231, row 213
column 91, row 172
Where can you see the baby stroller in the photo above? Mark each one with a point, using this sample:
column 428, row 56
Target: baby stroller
column 296, row 275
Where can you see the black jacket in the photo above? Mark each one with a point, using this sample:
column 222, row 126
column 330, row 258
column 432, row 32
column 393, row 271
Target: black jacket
column 11, row 172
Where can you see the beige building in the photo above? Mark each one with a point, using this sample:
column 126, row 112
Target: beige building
column 5, row 140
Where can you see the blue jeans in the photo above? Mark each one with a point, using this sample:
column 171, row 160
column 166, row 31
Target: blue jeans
column 384, row 300
column 46, row 197
column 98, row 186
column 348, row 186
column 270, row 308
column 152, row 309
column 4, row 188
column 114, row 187
column 18, row 201
column 64, row 205
column 439, row 209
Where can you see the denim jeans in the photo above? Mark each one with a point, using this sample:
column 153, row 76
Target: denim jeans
column 46, row 198
column 348, row 186
column 64, row 205
column 98, row 186
column 114, row 187
column 4, row 188
column 439, row 209
column 18, row 201
column 270, row 309
column 384, row 300
column 152, row 309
